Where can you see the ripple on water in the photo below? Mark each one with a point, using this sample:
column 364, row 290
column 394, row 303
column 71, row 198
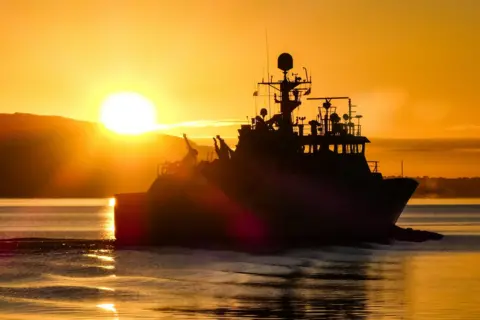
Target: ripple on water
column 78, row 279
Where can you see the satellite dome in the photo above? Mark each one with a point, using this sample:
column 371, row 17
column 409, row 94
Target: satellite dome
column 263, row 112
column 285, row 62
column 334, row 117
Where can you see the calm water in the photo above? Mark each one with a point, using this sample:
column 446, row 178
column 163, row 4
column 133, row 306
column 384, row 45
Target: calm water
column 433, row 280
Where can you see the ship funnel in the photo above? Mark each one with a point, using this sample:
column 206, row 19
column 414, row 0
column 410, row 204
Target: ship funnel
column 285, row 62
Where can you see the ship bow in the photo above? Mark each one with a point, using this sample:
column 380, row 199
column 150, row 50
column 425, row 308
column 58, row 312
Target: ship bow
column 397, row 192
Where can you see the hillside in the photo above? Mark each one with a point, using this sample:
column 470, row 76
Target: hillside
column 47, row 156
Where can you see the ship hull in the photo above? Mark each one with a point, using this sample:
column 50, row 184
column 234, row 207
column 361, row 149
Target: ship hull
column 203, row 215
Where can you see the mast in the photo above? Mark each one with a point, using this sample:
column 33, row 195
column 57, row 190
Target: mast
column 285, row 87
column 268, row 70
column 349, row 115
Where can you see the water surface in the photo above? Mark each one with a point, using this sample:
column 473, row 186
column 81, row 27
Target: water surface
column 91, row 280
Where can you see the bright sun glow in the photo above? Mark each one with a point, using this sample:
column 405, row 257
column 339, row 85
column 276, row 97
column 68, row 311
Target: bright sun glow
column 128, row 113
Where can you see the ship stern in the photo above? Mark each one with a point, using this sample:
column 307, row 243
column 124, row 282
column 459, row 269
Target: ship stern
column 131, row 218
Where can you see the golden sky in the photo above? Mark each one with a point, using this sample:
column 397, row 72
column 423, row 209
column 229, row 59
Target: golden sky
column 412, row 66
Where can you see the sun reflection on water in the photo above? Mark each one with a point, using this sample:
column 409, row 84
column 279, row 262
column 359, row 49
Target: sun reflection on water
column 103, row 259
column 106, row 289
column 108, row 267
column 100, row 257
column 109, row 307
column 109, row 226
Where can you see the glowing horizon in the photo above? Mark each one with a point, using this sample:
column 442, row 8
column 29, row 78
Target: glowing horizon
column 407, row 68
column 411, row 67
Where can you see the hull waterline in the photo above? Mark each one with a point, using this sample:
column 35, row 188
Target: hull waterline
column 206, row 216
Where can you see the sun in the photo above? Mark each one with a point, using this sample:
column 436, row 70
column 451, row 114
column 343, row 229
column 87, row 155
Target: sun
column 128, row 113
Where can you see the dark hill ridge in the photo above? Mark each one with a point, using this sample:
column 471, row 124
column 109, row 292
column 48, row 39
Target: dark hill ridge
column 49, row 156
column 52, row 156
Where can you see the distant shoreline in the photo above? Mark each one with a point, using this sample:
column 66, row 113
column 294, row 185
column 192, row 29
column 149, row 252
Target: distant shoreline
column 429, row 188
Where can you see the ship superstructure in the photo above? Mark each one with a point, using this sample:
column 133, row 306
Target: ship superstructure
column 287, row 181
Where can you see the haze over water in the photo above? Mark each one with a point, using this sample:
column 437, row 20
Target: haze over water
column 91, row 280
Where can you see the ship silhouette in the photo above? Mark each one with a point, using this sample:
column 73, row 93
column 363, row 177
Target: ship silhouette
column 286, row 183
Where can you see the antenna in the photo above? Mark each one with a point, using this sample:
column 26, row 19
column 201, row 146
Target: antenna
column 358, row 117
column 349, row 114
column 268, row 69
column 255, row 94
column 402, row 168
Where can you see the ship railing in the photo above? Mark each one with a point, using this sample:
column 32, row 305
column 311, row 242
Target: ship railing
column 373, row 166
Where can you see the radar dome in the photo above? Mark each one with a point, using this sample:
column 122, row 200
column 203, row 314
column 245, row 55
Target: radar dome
column 285, row 62
column 263, row 112
column 334, row 117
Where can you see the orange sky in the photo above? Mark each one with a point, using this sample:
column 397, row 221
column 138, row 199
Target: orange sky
column 412, row 66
